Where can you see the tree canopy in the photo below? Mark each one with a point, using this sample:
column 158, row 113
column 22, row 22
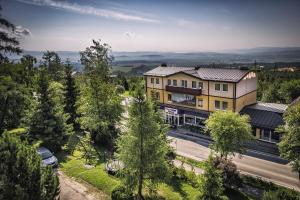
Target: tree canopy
column 22, row 175
column 143, row 149
column 229, row 131
column 289, row 145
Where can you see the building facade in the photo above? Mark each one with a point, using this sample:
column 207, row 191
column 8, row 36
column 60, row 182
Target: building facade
column 188, row 95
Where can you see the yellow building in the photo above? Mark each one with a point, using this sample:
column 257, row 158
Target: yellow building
column 188, row 95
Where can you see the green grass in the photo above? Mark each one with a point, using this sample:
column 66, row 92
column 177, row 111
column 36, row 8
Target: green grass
column 175, row 189
column 126, row 94
column 95, row 176
column 190, row 161
column 168, row 192
column 17, row 131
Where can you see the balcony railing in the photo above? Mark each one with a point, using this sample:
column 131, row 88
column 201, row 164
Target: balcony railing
column 183, row 90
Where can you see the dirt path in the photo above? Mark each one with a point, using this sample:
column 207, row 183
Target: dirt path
column 70, row 189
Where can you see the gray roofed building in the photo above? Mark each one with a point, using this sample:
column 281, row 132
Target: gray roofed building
column 263, row 118
column 204, row 73
column 265, row 115
column 165, row 71
column 272, row 107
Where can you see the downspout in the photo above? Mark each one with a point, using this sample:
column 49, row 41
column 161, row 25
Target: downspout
column 208, row 97
column 234, row 97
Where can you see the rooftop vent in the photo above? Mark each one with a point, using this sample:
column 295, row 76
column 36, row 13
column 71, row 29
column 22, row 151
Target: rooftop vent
column 243, row 68
column 197, row 67
column 163, row 65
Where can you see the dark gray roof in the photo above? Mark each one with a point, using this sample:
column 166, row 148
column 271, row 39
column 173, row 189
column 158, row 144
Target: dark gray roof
column 273, row 107
column 263, row 118
column 215, row 74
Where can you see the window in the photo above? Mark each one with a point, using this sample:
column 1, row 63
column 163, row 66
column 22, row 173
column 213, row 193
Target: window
column 157, row 80
column 169, row 97
column 225, row 87
column 200, row 85
column 200, row 103
column 200, row 121
column 269, row 135
column 184, row 83
column 174, row 82
column 194, row 84
column 169, row 82
column 184, row 99
column 217, row 105
column 225, row 105
column 189, row 119
column 152, row 80
column 217, row 86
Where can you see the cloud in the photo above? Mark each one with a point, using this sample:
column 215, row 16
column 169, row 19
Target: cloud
column 186, row 23
column 130, row 35
column 89, row 10
column 21, row 31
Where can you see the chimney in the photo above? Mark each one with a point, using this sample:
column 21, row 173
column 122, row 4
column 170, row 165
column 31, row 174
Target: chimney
column 197, row 67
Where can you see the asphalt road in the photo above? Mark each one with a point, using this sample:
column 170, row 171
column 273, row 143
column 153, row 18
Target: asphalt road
column 276, row 172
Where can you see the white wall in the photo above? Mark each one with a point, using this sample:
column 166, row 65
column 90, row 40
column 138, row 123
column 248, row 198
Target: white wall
column 247, row 85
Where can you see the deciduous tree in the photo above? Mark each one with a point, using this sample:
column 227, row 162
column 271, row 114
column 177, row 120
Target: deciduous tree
column 229, row 131
column 99, row 105
column 211, row 187
column 289, row 145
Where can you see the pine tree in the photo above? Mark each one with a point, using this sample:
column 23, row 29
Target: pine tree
column 8, row 42
column 21, row 174
column 71, row 95
column 49, row 122
column 212, row 182
column 143, row 148
column 53, row 64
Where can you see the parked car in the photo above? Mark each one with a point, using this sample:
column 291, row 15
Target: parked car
column 48, row 159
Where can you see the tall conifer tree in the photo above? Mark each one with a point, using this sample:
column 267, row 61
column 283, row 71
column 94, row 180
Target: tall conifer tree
column 144, row 147
column 48, row 122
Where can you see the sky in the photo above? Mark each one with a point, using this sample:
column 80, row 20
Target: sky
column 155, row 25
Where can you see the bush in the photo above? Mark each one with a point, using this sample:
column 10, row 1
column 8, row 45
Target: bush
column 281, row 194
column 121, row 193
column 229, row 172
column 120, row 89
column 189, row 177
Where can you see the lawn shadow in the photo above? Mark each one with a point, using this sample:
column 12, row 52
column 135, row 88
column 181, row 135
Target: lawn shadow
column 176, row 185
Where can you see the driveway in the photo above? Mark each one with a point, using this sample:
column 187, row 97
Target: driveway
column 70, row 189
column 279, row 173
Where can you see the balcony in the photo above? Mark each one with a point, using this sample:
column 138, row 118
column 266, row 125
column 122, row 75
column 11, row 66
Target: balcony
column 183, row 90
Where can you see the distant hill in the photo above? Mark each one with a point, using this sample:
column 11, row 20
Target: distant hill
column 261, row 55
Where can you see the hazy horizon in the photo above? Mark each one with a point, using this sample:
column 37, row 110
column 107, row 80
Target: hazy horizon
column 155, row 26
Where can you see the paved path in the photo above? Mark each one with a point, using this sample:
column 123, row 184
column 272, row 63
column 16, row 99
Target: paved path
column 280, row 174
column 70, row 189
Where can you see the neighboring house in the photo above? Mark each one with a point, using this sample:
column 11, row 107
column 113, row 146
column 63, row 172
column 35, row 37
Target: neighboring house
column 189, row 95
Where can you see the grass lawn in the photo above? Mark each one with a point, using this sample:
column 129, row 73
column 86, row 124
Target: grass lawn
column 75, row 167
column 126, row 94
column 174, row 189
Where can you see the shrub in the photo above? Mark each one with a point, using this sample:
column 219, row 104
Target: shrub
column 121, row 193
column 281, row 194
column 120, row 89
column 229, row 171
